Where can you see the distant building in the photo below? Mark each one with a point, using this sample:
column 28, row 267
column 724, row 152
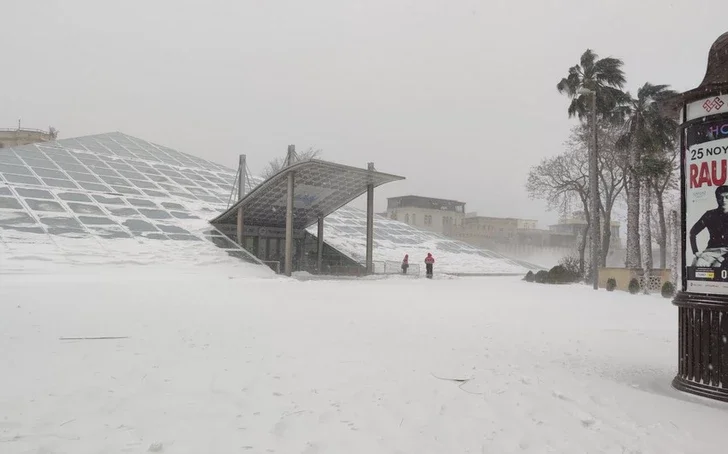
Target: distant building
column 574, row 225
column 435, row 215
column 506, row 235
column 491, row 228
column 24, row 136
column 485, row 231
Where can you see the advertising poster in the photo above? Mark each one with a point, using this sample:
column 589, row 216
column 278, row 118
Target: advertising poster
column 706, row 207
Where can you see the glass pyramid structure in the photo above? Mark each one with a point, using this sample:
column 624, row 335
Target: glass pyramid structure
column 113, row 197
column 67, row 200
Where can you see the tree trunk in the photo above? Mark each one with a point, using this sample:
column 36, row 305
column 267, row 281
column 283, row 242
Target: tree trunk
column 662, row 233
column 597, row 230
column 633, row 214
column 582, row 250
column 583, row 240
column 647, row 228
column 606, row 236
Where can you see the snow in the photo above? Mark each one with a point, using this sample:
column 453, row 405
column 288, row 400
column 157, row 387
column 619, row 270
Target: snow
column 345, row 230
column 32, row 252
column 172, row 225
column 211, row 358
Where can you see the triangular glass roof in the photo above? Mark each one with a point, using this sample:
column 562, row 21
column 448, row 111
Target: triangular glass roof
column 320, row 188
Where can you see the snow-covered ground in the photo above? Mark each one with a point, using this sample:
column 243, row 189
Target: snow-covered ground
column 212, row 361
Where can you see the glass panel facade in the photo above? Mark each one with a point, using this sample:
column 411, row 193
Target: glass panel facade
column 117, row 187
column 103, row 187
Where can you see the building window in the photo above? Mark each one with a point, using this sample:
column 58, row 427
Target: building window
column 406, row 218
column 428, row 219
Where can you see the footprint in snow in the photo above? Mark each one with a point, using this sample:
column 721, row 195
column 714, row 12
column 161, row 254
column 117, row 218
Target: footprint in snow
column 588, row 421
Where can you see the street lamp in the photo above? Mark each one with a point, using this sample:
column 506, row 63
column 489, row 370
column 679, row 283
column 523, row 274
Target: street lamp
column 593, row 188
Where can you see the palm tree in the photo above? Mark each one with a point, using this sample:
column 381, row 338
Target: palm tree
column 605, row 78
column 648, row 133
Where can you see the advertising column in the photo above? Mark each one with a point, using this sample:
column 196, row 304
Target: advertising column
column 705, row 173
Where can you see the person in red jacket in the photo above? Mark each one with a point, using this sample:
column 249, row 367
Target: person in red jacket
column 429, row 261
column 405, row 264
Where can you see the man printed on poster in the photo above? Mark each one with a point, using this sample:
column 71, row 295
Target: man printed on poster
column 716, row 221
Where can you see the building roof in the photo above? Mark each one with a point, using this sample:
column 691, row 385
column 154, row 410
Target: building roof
column 320, row 188
column 475, row 216
column 433, row 199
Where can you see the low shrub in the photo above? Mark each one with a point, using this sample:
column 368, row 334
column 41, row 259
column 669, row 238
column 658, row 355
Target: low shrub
column 634, row 286
column 541, row 277
column 530, row 277
column 571, row 263
column 562, row 275
column 668, row 290
column 611, row 284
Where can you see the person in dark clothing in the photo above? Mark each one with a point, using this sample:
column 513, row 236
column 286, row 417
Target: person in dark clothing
column 429, row 261
column 405, row 264
column 716, row 221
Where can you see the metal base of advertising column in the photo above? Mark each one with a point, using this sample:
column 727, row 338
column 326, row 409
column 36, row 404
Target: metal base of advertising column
column 703, row 300
column 702, row 347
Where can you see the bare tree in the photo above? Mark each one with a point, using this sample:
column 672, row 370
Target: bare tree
column 277, row 164
column 560, row 179
column 662, row 184
column 646, row 224
column 610, row 170
column 647, row 132
column 612, row 182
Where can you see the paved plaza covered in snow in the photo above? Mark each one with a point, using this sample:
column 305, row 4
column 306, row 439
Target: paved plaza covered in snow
column 207, row 360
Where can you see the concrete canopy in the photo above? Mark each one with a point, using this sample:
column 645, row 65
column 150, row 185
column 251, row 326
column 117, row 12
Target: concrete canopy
column 320, row 188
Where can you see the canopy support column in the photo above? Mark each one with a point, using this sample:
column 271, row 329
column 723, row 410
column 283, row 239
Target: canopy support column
column 288, row 266
column 320, row 248
column 370, row 223
column 241, row 194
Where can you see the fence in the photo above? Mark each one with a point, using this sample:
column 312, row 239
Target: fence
column 274, row 265
column 379, row 267
column 391, row 267
column 23, row 130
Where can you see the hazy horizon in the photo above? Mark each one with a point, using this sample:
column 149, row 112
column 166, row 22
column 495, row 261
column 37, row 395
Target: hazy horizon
column 460, row 98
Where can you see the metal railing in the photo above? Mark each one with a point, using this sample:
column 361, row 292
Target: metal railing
column 380, row 267
column 392, row 267
column 24, row 130
column 274, row 265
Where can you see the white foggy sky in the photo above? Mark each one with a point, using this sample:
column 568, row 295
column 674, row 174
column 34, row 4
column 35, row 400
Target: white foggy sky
column 457, row 96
